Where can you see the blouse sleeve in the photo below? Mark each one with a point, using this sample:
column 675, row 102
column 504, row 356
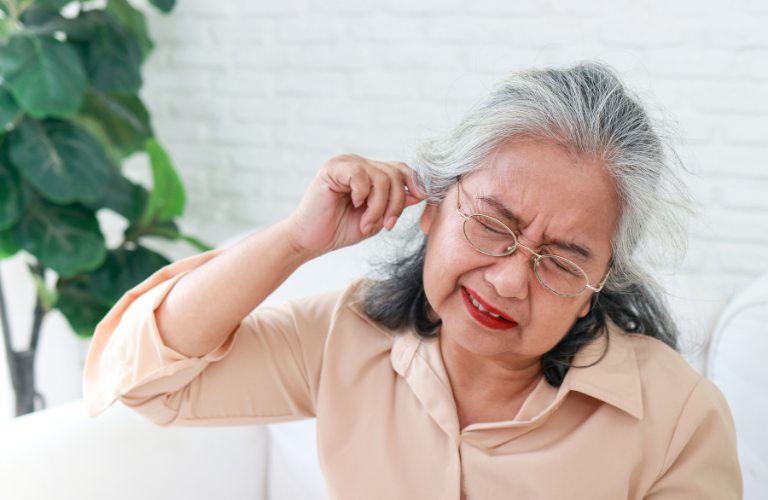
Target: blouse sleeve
column 266, row 371
column 701, row 462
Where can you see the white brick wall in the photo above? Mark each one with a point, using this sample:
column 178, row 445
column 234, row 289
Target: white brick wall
column 251, row 96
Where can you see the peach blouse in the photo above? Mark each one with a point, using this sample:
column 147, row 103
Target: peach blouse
column 638, row 424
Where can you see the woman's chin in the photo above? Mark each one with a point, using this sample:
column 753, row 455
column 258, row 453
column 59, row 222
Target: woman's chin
column 481, row 341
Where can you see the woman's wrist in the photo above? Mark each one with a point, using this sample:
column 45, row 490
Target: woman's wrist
column 293, row 234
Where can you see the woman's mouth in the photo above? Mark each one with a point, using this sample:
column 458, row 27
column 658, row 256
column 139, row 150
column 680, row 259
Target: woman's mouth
column 484, row 314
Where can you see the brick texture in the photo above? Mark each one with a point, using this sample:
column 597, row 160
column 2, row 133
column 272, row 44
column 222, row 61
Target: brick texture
column 250, row 96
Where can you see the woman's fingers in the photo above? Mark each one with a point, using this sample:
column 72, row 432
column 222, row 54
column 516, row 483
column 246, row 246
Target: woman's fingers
column 359, row 184
column 386, row 189
column 396, row 199
column 416, row 192
column 378, row 200
column 397, row 196
column 404, row 191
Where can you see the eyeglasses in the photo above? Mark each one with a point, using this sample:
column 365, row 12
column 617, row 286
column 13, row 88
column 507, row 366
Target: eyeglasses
column 491, row 237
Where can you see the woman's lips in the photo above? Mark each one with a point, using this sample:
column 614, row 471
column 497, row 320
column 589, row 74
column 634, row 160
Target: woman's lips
column 487, row 318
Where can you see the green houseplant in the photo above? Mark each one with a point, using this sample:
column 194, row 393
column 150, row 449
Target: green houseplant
column 69, row 115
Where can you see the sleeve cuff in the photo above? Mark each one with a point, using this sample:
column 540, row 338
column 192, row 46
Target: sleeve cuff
column 127, row 353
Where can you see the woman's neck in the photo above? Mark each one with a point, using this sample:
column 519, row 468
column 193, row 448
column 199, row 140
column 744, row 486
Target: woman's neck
column 488, row 390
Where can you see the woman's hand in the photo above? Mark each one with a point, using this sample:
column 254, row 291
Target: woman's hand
column 350, row 199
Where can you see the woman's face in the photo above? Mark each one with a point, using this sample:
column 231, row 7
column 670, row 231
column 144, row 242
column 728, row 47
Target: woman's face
column 555, row 205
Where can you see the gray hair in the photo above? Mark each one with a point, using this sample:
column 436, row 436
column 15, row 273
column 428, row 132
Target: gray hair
column 587, row 110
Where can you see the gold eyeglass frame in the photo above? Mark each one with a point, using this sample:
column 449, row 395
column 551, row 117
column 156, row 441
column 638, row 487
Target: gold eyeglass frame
column 535, row 259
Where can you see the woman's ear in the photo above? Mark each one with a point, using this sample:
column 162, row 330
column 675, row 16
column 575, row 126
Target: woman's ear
column 430, row 212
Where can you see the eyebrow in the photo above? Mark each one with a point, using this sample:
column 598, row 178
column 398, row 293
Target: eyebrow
column 511, row 217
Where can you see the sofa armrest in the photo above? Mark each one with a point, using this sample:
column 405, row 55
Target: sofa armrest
column 736, row 365
column 62, row 453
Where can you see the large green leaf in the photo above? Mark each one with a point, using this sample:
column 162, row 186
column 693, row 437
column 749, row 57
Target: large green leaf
column 164, row 5
column 112, row 56
column 96, row 128
column 36, row 15
column 46, row 22
column 6, row 27
column 124, row 197
column 167, row 199
column 9, row 110
column 45, row 76
column 80, row 306
column 8, row 246
column 122, row 270
column 170, row 231
column 66, row 238
column 124, row 120
column 52, row 4
column 63, row 162
column 14, row 195
column 132, row 20
column 203, row 247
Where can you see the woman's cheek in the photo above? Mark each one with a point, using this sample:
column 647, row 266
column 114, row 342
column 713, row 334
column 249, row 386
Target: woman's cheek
column 551, row 318
column 440, row 270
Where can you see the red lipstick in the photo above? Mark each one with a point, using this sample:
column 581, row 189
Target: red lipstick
column 503, row 322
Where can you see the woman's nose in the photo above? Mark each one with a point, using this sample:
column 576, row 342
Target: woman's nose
column 511, row 275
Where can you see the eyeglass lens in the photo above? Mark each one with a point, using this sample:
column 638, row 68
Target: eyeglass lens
column 494, row 238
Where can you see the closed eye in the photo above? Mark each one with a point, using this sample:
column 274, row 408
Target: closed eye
column 492, row 226
column 566, row 269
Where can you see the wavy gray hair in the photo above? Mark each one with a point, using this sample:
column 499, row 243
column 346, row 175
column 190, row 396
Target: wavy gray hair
column 588, row 111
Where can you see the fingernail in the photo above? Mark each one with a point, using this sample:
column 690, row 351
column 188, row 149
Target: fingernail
column 391, row 222
column 367, row 228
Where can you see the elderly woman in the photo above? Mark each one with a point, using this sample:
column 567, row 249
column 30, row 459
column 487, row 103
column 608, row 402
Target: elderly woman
column 521, row 351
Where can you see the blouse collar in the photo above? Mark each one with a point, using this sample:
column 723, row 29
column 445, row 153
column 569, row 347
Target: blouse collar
column 607, row 371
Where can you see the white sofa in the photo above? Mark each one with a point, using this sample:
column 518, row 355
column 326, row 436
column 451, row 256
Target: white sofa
column 62, row 454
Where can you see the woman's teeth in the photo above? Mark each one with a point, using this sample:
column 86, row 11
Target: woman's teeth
column 477, row 304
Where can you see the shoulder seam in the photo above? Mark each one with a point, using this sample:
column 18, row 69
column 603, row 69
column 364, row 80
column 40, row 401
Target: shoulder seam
column 666, row 465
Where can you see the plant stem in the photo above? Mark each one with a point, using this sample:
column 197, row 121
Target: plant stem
column 5, row 324
column 36, row 324
column 22, row 363
column 25, row 375
column 40, row 311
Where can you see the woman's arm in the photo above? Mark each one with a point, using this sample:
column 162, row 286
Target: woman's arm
column 701, row 461
column 207, row 304
column 350, row 199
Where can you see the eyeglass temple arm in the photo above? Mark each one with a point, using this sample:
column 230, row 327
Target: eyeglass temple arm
column 458, row 199
column 602, row 283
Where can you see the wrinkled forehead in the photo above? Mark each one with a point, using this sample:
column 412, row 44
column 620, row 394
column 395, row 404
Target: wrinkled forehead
column 548, row 190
